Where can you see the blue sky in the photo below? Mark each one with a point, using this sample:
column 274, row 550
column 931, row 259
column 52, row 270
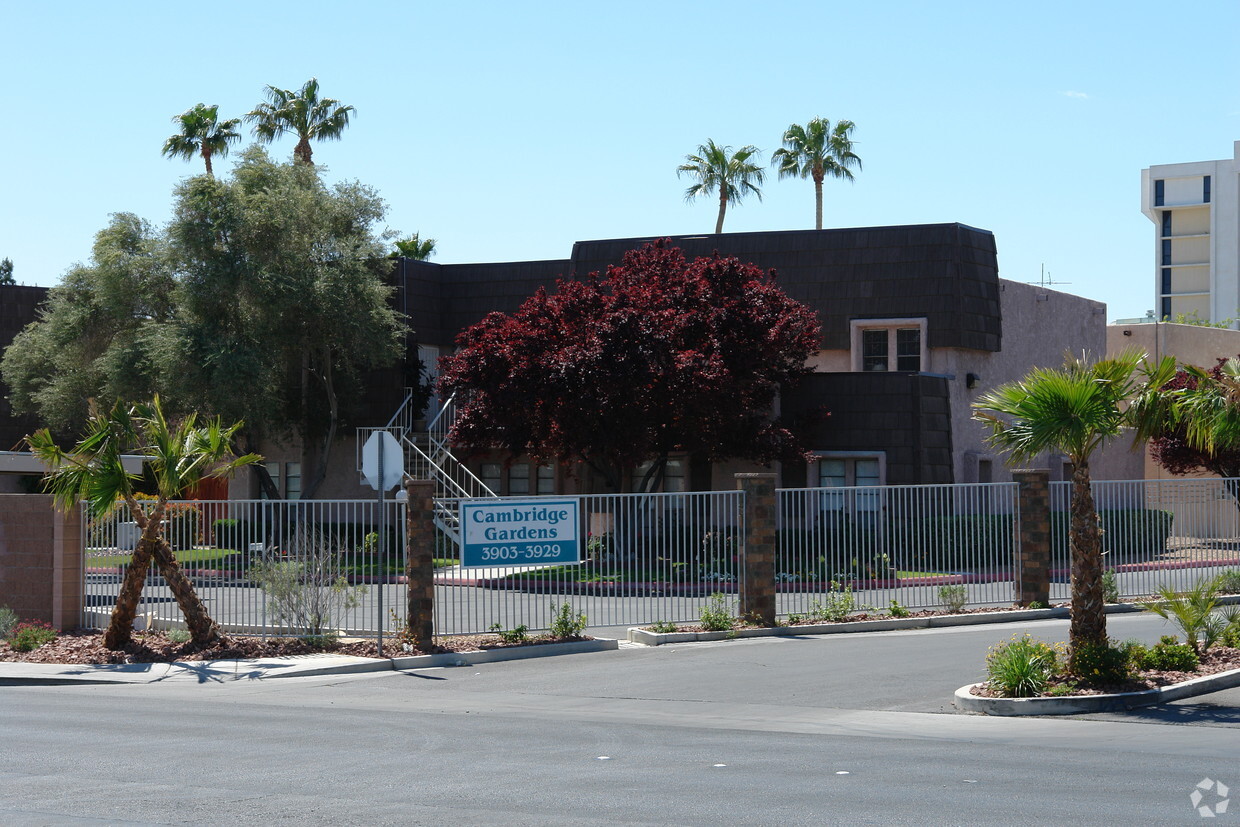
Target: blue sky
column 507, row 131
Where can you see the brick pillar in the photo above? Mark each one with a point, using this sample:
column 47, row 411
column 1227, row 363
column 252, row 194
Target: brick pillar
column 1033, row 563
column 68, row 548
column 420, row 561
column 757, row 588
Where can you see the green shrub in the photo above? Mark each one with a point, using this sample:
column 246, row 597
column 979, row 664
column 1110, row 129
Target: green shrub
column 8, row 621
column 565, row 624
column 1166, row 657
column 516, row 635
column 716, row 616
column 1126, row 532
column 179, row 635
column 953, row 598
column 1229, row 581
column 1038, row 604
column 1100, row 663
column 308, row 591
column 1110, row 587
column 897, row 610
column 1021, row 668
column 834, row 608
column 30, row 635
column 663, row 627
column 1194, row 612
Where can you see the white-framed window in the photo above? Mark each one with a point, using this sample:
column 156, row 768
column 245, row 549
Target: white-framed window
column 889, row 345
column 856, row 473
column 674, row 480
column 546, row 479
column 275, row 471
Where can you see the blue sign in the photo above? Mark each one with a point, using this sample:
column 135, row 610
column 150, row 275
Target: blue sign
column 505, row 532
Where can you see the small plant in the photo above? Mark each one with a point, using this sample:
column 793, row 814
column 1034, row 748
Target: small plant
column 716, row 615
column 309, row 591
column 837, row 606
column 1038, row 604
column 1194, row 612
column 565, row 624
column 370, row 543
column 953, row 598
column 1229, row 581
column 663, row 627
column 1061, row 689
column 30, row 635
column 516, row 635
column 8, row 622
column 1166, row 656
column 1021, row 668
column 897, row 610
column 179, row 636
column 1110, row 587
column 1100, row 663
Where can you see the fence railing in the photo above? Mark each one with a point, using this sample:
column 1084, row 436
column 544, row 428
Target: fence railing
column 645, row 558
column 1154, row 532
column 308, row 567
column 920, row 545
column 280, row 567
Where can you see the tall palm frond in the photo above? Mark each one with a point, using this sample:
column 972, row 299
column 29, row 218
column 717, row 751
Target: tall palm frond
column 301, row 113
column 202, row 133
column 817, row 151
column 733, row 175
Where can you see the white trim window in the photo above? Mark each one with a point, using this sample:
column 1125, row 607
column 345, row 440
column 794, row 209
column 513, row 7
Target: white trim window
column 851, row 470
column 888, row 345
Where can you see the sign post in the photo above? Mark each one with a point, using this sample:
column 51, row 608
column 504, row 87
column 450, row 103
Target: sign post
column 383, row 467
column 508, row 532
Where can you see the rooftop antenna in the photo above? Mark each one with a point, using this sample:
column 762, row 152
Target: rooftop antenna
column 1045, row 280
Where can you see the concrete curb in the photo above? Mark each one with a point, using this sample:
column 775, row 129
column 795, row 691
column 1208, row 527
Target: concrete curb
column 48, row 674
column 1077, row 704
column 648, row 638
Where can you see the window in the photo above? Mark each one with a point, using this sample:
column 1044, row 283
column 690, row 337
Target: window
column 889, row 345
column 546, row 479
column 491, row 476
column 519, row 478
column 1166, row 222
column 1166, row 308
column 1160, row 191
column 1166, row 251
column 292, row 480
column 847, row 470
column 273, row 470
column 1205, row 190
column 673, row 476
column 1166, row 280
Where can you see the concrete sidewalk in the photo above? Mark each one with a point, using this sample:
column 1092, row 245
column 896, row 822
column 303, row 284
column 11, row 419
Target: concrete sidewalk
column 295, row 666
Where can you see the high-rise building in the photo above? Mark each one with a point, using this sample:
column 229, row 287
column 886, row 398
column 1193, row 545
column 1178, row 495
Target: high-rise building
column 1195, row 208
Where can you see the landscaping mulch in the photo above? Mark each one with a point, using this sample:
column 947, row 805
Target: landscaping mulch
column 82, row 647
column 1216, row 659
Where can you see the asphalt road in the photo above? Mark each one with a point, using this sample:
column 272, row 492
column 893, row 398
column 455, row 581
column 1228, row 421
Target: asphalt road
column 840, row 729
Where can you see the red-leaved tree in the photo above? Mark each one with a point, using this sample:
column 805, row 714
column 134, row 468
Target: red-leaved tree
column 659, row 355
column 1173, row 451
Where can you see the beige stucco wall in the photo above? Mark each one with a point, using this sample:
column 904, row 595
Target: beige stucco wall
column 1040, row 326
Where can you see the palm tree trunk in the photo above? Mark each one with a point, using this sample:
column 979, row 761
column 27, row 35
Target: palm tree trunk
column 301, row 152
column 723, row 207
column 1089, row 620
column 120, row 628
column 206, row 157
column 203, row 630
column 817, row 203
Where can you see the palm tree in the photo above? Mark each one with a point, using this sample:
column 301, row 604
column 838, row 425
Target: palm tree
column 178, row 455
column 202, row 134
column 418, row 249
column 817, row 150
column 1073, row 410
column 300, row 113
column 717, row 169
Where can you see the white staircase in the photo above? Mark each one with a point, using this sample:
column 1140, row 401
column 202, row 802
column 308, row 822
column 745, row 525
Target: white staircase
column 428, row 457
